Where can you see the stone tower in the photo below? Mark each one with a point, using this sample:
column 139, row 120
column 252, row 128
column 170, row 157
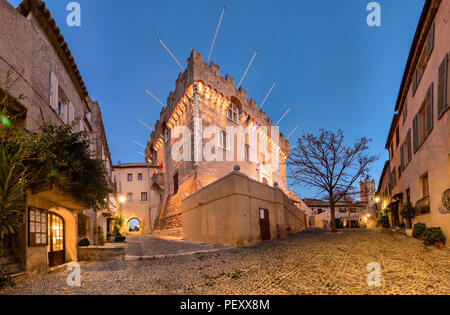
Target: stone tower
column 367, row 190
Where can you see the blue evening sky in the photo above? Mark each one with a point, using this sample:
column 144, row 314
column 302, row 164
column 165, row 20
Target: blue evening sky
column 334, row 70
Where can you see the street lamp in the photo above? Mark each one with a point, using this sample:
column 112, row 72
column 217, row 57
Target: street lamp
column 122, row 199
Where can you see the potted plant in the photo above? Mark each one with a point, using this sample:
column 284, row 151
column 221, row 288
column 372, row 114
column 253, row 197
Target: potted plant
column 419, row 230
column 408, row 212
column 434, row 236
column 101, row 237
column 84, row 243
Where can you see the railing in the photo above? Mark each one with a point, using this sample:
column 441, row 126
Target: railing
column 423, row 206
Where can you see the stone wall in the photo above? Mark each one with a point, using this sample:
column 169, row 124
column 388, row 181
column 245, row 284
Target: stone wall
column 226, row 212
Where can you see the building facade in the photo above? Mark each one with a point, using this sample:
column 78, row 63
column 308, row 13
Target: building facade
column 34, row 54
column 206, row 105
column 419, row 136
column 134, row 193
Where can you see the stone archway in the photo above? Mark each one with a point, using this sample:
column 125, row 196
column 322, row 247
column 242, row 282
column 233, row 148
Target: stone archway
column 134, row 226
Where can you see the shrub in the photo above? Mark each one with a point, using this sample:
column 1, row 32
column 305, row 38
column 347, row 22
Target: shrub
column 84, row 242
column 120, row 239
column 408, row 212
column 5, row 279
column 419, row 230
column 433, row 235
column 101, row 236
column 383, row 220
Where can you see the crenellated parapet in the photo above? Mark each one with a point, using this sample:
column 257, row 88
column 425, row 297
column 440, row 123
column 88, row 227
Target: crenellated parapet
column 218, row 92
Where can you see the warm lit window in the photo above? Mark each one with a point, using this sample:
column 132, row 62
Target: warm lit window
column 130, row 178
column 130, row 197
column 425, row 186
column 247, row 152
column 233, row 113
column 144, row 196
column 222, row 140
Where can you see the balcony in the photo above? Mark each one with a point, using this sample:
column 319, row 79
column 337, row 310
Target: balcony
column 423, row 206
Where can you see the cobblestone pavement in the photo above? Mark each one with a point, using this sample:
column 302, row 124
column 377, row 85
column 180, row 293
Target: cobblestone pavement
column 312, row 262
column 147, row 246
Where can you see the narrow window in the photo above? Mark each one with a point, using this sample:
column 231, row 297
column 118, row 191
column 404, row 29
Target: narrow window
column 430, row 42
column 130, row 197
column 408, row 145
column 443, row 87
column 130, row 178
column 247, row 152
column 425, row 187
column 222, row 140
column 233, row 113
column 397, row 137
column 144, row 196
column 175, row 184
column 405, row 112
column 429, row 110
column 140, row 177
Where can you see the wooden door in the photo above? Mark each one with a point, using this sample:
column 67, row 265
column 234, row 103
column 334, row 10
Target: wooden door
column 56, row 249
column 264, row 224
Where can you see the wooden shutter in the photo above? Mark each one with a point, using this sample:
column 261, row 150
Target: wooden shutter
column 429, row 110
column 414, row 82
column 416, row 133
column 54, row 91
column 442, row 87
column 408, row 143
column 71, row 112
column 402, row 157
column 430, row 42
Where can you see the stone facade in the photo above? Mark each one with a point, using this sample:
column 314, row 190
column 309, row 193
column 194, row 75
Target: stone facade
column 134, row 179
column 229, row 212
column 33, row 52
column 201, row 93
column 418, row 141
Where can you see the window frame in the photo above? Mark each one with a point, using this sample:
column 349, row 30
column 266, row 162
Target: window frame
column 142, row 196
column 233, row 111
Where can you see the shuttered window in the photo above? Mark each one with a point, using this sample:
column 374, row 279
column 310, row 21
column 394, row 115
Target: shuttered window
column 83, row 225
column 430, row 42
column 429, row 110
column 416, row 133
column 414, row 82
column 442, row 102
column 408, row 145
column 402, row 159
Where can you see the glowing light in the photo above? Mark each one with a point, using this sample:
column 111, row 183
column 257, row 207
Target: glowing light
column 122, row 199
column 5, row 121
column 200, row 87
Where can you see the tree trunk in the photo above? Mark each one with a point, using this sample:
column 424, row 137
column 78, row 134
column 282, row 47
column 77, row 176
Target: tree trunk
column 333, row 217
column 95, row 229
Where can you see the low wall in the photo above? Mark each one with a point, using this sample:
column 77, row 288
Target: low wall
column 102, row 253
column 226, row 212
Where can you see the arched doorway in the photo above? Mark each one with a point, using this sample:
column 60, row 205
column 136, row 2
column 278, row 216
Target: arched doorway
column 134, row 226
column 56, row 248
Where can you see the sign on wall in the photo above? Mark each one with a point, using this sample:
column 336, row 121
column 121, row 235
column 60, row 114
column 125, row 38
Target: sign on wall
column 37, row 227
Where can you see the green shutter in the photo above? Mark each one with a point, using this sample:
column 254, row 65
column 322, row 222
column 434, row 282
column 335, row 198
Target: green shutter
column 416, row 133
column 430, row 42
column 408, row 143
column 429, row 110
column 442, row 102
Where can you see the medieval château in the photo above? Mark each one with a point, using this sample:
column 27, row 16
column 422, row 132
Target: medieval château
column 202, row 99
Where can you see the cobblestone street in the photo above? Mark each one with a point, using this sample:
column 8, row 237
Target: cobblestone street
column 312, row 262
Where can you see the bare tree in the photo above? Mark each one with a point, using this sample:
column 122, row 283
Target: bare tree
column 325, row 163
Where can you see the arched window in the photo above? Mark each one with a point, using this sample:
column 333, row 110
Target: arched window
column 233, row 113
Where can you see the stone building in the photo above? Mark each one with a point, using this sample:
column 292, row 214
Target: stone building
column 207, row 105
column 134, row 193
column 34, row 52
column 418, row 141
column 321, row 214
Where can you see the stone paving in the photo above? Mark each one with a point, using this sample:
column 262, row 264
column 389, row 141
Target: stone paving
column 312, row 262
column 149, row 247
